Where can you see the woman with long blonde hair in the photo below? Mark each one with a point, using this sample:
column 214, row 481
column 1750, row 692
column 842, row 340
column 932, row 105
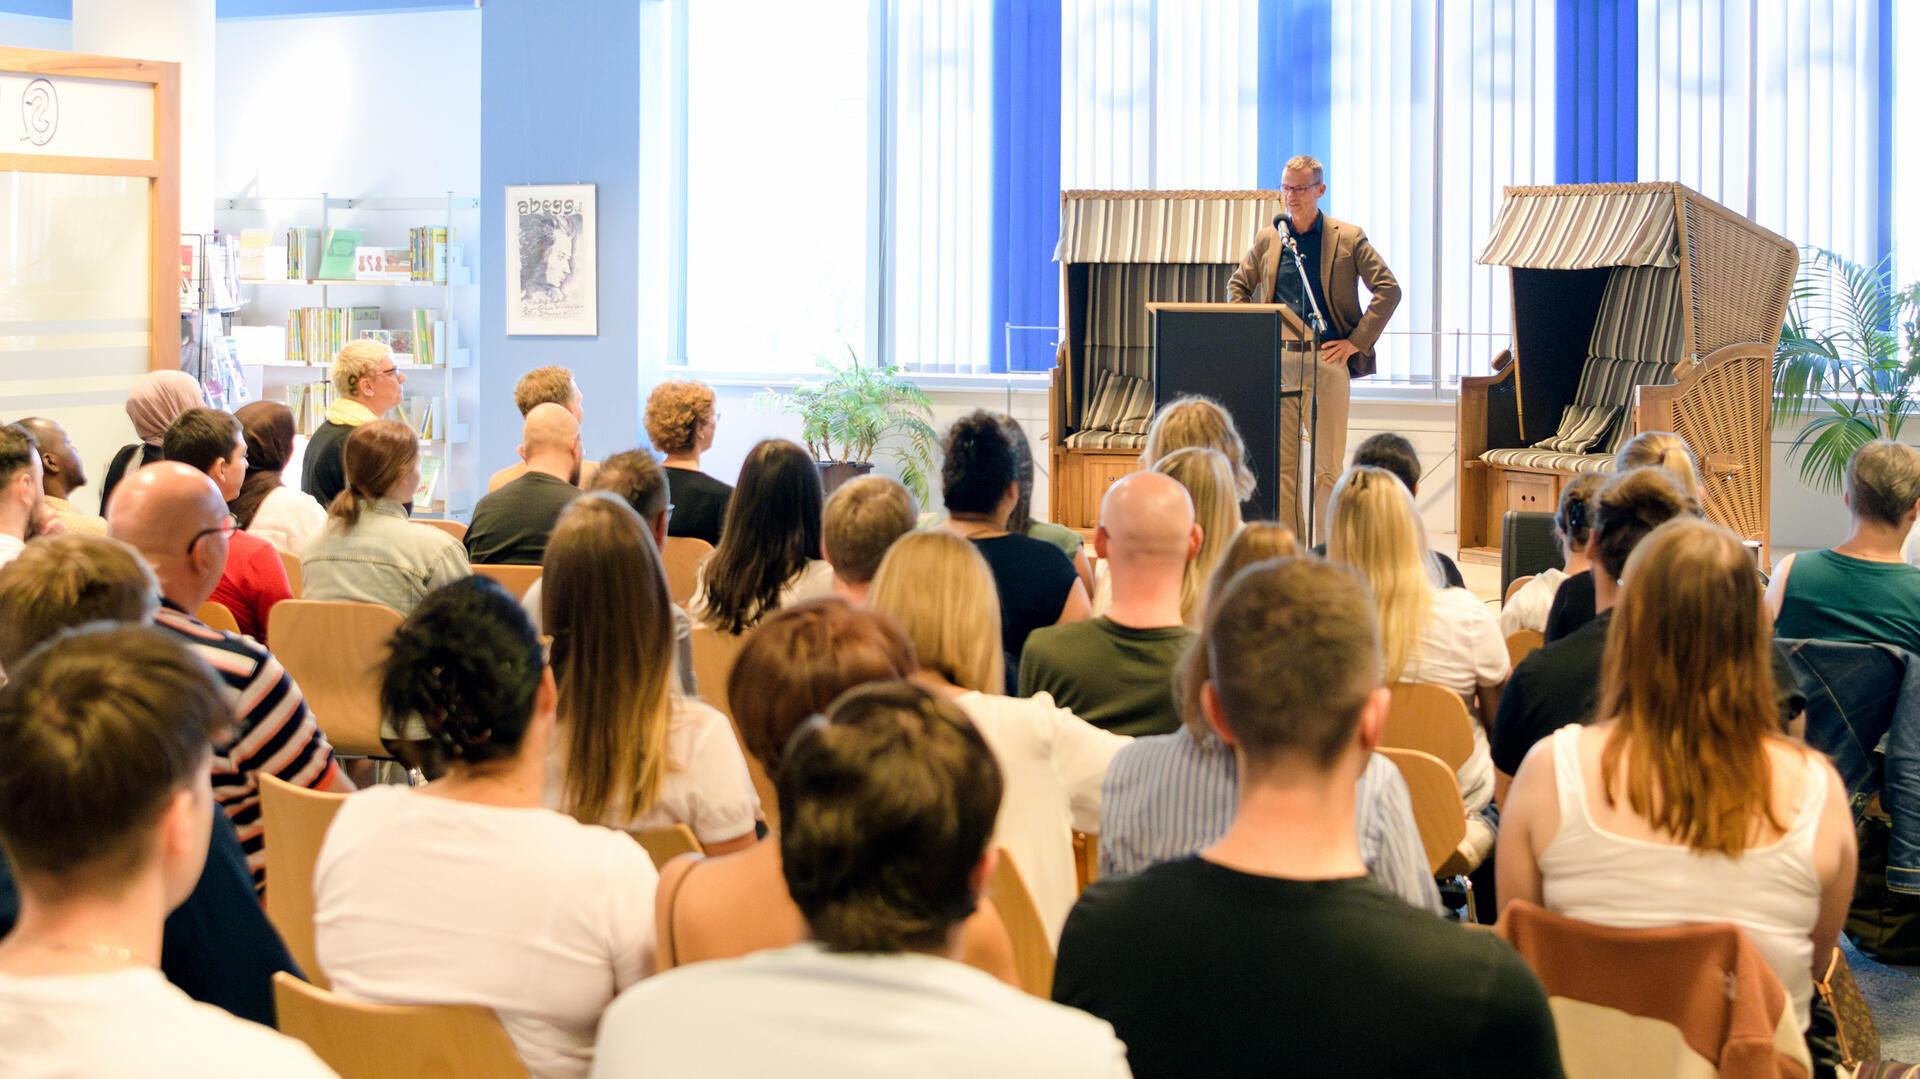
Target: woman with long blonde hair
column 1439, row 636
column 1662, row 449
column 631, row 753
column 940, row 589
column 1208, row 477
column 1204, row 422
column 1684, row 803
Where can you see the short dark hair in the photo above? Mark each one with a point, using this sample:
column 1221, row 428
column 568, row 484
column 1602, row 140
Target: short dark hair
column 886, row 808
column 1883, row 481
column 977, row 464
column 636, row 477
column 1293, row 650
column 60, row 582
column 99, row 727
column 464, row 667
column 200, row 437
column 1393, row 453
column 1630, row 507
column 18, row 448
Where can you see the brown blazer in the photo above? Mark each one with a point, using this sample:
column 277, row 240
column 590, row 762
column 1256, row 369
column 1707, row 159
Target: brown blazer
column 1346, row 258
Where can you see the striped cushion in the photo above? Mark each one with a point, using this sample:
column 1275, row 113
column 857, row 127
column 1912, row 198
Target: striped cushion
column 1106, row 440
column 1548, row 460
column 1120, row 403
column 1581, row 426
column 1639, row 316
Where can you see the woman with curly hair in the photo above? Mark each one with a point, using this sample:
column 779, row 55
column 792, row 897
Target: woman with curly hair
column 681, row 421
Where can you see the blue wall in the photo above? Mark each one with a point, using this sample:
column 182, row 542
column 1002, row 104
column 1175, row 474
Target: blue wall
column 560, row 104
column 1596, row 91
column 43, row 9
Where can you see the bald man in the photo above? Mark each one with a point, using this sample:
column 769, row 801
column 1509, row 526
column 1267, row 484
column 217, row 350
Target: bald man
column 62, row 473
column 1116, row 671
column 175, row 517
column 511, row 525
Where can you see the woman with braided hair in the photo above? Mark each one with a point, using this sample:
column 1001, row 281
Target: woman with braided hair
column 466, row 891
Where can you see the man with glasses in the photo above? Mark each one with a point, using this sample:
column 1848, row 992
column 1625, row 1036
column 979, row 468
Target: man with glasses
column 176, row 518
column 1337, row 258
column 255, row 578
column 366, row 386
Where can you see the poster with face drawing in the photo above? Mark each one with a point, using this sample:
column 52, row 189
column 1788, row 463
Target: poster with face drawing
column 552, row 273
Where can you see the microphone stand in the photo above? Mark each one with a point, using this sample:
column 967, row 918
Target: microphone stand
column 1310, row 374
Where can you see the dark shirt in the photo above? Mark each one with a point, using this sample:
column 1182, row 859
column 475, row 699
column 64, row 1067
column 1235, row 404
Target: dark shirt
column 1115, row 677
column 1572, row 606
column 131, row 458
column 511, row 525
column 1287, row 289
column 1560, row 684
column 1034, row 580
column 699, row 504
column 217, row 947
column 323, row 473
column 1207, row 971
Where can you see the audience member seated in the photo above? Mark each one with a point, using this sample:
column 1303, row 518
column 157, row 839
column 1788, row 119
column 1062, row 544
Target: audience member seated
column 1170, row 796
column 1573, row 602
column 511, row 525
column 789, row 670
column 466, row 890
column 366, row 386
column 1020, row 519
column 1862, row 591
column 637, row 478
column 1199, row 421
column 888, row 808
column 178, row 521
column 1270, row 953
column 1395, row 454
column 631, row 753
column 1208, row 477
column 681, row 421
column 1685, row 804
column 20, row 489
column 862, row 520
column 157, row 399
column 1439, row 636
column 1116, row 671
column 217, row 946
column 104, row 807
column 546, row 386
column 770, row 553
column 61, row 474
column 1572, row 528
column 255, row 578
column 284, row 516
column 369, row 552
column 940, row 590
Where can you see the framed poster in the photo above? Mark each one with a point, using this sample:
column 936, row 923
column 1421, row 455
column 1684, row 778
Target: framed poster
column 552, row 272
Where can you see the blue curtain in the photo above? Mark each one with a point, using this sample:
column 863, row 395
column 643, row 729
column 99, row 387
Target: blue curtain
column 1296, row 84
column 1026, row 182
column 1596, row 92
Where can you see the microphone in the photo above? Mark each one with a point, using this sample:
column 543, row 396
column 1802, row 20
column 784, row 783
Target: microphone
column 1282, row 217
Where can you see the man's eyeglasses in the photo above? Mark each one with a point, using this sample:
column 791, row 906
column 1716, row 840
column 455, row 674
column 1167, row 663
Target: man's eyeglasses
column 1298, row 189
column 224, row 530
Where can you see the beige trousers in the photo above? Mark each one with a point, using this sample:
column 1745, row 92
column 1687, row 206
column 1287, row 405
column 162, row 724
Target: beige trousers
column 1334, row 390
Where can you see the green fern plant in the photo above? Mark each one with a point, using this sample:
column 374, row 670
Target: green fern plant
column 857, row 411
column 1849, row 356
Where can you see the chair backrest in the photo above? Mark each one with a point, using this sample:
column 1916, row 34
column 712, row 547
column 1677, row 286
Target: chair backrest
column 1437, row 809
column 295, row 822
column 663, row 845
column 1032, row 951
column 450, row 527
column 1523, row 644
column 373, row 1041
column 713, row 656
column 682, row 558
column 515, row 579
column 294, row 582
column 1086, row 859
column 333, row 650
column 1432, row 719
column 1527, row 545
column 1513, row 586
column 217, row 616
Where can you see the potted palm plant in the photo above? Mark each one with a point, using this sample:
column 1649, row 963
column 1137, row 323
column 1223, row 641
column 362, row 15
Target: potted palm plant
column 846, row 418
column 1849, row 357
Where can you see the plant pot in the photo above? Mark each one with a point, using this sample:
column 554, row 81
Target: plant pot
column 835, row 473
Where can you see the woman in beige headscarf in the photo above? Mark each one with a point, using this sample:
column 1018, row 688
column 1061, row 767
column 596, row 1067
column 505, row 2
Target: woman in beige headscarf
column 155, row 402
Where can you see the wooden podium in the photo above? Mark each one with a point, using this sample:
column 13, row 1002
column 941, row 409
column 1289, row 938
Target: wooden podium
column 1254, row 359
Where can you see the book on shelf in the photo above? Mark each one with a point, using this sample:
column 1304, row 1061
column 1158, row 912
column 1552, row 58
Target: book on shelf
column 189, row 281
column 427, row 246
column 308, row 403
column 296, row 254
column 425, row 416
column 254, row 248
column 223, row 273
column 382, row 264
column 337, row 254
column 425, row 337
column 429, row 487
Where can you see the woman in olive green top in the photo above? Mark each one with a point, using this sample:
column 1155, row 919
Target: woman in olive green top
column 1863, row 590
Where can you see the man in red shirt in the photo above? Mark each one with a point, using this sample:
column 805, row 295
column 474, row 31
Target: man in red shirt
column 255, row 578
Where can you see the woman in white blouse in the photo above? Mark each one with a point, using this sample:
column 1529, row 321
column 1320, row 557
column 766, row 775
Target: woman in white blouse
column 284, row 516
column 1572, row 529
column 939, row 588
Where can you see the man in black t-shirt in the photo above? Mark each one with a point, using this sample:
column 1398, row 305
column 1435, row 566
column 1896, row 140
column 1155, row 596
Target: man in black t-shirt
column 1271, row 953
column 511, row 525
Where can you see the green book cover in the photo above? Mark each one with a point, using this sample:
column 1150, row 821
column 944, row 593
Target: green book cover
column 336, row 261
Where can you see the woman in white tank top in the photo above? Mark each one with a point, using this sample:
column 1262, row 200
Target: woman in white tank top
column 1686, row 805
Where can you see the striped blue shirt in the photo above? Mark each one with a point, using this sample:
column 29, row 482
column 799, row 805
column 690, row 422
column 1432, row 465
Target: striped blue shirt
column 1168, row 796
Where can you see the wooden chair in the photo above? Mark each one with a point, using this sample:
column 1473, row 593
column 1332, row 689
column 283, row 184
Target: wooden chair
column 294, row 582
column 1032, row 951
column 1523, row 644
column 665, row 844
column 450, row 527
column 1514, row 586
column 515, row 579
column 375, row 1041
column 295, row 821
column 1438, row 812
column 333, row 650
column 682, row 558
column 217, row 616
column 1432, row 719
column 1086, row 859
column 713, row 656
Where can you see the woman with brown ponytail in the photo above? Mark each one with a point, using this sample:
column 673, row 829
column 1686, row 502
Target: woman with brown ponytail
column 369, row 552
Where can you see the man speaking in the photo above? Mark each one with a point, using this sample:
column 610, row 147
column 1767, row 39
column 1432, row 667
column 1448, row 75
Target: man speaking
column 1336, row 256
